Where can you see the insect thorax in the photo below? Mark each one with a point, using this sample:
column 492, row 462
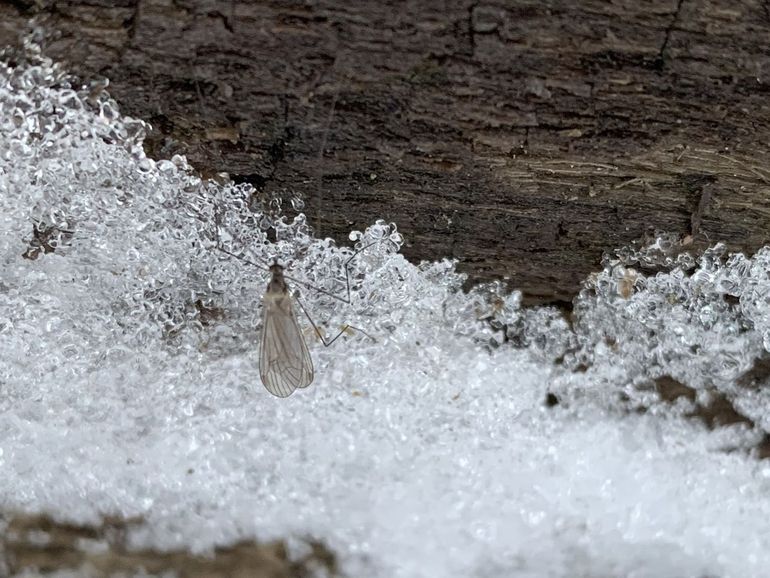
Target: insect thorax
column 277, row 283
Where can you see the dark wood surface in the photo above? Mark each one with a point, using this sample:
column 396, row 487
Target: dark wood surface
column 523, row 137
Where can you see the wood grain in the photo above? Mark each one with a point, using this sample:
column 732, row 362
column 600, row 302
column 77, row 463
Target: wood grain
column 524, row 138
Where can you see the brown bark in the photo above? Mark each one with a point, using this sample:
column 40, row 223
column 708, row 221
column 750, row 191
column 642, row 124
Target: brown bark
column 33, row 544
column 523, row 137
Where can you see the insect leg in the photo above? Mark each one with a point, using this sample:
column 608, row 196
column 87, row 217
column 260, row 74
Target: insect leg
column 219, row 247
column 321, row 335
column 265, row 266
column 346, row 266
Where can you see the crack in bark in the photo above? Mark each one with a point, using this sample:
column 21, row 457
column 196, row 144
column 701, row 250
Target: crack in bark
column 131, row 22
column 276, row 154
column 226, row 22
column 706, row 194
column 23, row 6
column 471, row 32
column 661, row 59
column 131, row 25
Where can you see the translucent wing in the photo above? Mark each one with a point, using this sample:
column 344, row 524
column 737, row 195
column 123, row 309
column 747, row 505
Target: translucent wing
column 284, row 360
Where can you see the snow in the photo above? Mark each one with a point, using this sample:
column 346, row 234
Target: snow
column 129, row 380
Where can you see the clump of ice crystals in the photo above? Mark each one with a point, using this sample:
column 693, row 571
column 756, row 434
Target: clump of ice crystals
column 129, row 381
column 658, row 311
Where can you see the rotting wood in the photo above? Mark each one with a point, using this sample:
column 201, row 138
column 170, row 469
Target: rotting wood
column 523, row 137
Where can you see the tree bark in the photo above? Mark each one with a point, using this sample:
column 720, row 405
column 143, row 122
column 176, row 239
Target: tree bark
column 523, row 137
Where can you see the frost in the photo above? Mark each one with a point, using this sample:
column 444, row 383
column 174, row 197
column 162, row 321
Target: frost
column 129, row 382
column 701, row 321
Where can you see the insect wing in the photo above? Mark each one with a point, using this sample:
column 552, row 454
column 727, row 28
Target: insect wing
column 284, row 361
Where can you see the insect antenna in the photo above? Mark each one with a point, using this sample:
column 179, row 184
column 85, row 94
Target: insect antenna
column 266, row 267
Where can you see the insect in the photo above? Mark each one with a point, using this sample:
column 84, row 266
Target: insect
column 284, row 359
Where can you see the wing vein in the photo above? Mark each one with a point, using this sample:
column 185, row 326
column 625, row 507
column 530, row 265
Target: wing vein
column 285, row 362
